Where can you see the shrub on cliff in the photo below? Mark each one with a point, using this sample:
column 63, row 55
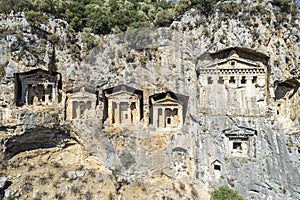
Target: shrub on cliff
column 2, row 72
column 226, row 193
column 127, row 159
column 36, row 18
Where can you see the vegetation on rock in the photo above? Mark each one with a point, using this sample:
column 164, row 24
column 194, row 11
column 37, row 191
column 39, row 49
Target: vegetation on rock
column 225, row 193
column 113, row 16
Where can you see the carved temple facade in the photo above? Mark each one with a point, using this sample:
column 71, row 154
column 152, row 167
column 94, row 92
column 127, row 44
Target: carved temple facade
column 240, row 142
column 167, row 110
column 81, row 104
column 123, row 105
column 37, row 87
column 233, row 82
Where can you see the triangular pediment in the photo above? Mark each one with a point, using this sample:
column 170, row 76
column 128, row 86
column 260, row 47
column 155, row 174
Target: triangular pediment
column 37, row 74
column 242, row 57
column 123, row 94
column 82, row 90
column 83, row 95
column 239, row 132
column 166, row 101
column 239, row 63
column 216, row 162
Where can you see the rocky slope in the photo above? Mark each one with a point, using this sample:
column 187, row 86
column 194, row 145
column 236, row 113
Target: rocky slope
column 45, row 156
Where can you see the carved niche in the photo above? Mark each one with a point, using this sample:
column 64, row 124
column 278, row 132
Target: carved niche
column 168, row 110
column 240, row 142
column 37, row 87
column 180, row 161
column 216, row 166
column 81, row 104
column 233, row 81
column 123, row 105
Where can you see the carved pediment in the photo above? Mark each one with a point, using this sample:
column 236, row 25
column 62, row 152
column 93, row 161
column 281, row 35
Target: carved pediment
column 122, row 95
column 167, row 100
column 82, row 94
column 235, row 58
column 237, row 63
column 122, row 90
column 239, row 132
column 37, row 75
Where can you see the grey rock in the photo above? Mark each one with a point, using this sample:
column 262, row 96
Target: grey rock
column 10, row 70
column 72, row 175
column 3, row 181
column 80, row 173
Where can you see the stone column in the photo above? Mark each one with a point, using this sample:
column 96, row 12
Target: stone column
column 53, row 94
column 130, row 112
column 250, row 147
column 203, row 80
column 249, row 86
column 78, row 116
column 226, row 94
column 213, row 92
column 180, row 116
column 261, row 80
column 69, row 108
column 238, row 80
column 109, row 111
column 155, row 116
column 117, row 113
column 226, row 80
column 164, row 117
column 137, row 107
column 46, row 95
column 25, row 95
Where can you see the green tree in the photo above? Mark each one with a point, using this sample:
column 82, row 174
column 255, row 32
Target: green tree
column 6, row 6
column 226, row 193
column 205, row 6
column 182, row 6
column 97, row 19
column 36, row 18
column 164, row 18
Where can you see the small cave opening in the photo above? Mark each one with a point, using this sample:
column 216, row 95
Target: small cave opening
column 288, row 87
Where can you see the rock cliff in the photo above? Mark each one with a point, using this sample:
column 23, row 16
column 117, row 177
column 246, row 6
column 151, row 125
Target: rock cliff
column 69, row 143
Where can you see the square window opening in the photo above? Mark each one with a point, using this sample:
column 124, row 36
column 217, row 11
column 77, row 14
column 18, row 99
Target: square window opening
column 168, row 120
column 237, row 145
column 243, row 81
column 231, row 80
column 220, row 80
column 217, row 167
column 254, row 80
column 209, row 80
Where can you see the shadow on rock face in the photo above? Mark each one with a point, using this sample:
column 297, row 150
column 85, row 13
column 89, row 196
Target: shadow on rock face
column 37, row 138
column 2, row 189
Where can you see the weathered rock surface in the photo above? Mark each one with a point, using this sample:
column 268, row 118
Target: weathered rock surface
column 184, row 163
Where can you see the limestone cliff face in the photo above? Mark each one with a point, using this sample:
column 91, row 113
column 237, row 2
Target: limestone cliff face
column 207, row 150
